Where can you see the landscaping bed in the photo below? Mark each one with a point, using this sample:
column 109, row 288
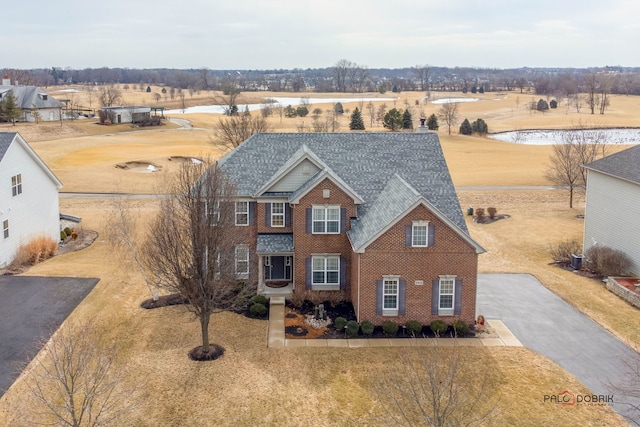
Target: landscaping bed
column 297, row 327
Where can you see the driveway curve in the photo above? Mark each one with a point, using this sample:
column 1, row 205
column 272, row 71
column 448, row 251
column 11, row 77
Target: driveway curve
column 545, row 323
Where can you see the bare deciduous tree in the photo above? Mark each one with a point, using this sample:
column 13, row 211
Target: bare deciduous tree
column 109, row 95
column 73, row 381
column 576, row 148
column 591, row 88
column 448, row 113
column 627, row 392
column 436, row 387
column 122, row 236
column 234, row 130
column 340, row 72
column 194, row 249
column 423, row 72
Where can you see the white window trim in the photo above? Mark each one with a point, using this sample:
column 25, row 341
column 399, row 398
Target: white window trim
column 239, row 213
column 325, row 286
column 16, row 185
column 424, row 224
column 242, row 274
column 446, row 311
column 391, row 311
column 325, row 221
column 277, row 215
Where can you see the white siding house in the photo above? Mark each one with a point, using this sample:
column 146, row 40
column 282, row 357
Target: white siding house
column 612, row 213
column 36, row 104
column 28, row 197
column 130, row 114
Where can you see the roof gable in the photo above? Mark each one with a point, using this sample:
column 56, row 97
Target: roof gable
column 624, row 165
column 8, row 138
column 364, row 162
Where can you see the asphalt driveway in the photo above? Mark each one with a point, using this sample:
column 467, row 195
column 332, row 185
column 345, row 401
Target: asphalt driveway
column 31, row 308
column 545, row 323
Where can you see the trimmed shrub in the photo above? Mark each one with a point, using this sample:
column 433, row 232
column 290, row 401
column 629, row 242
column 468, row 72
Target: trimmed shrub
column 352, row 328
column 460, row 328
column 562, row 251
column 74, row 235
column 63, row 235
column 390, row 328
column 492, row 212
column 413, row 327
column 258, row 310
column 542, row 105
column 553, row 103
column 340, row 323
column 607, row 261
column 438, row 327
column 367, row 327
column 479, row 215
column 259, row 299
column 67, row 230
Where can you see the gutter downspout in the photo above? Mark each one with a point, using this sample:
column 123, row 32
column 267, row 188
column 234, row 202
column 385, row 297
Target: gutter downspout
column 358, row 299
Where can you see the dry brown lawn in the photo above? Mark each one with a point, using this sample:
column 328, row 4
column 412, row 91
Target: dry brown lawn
column 255, row 385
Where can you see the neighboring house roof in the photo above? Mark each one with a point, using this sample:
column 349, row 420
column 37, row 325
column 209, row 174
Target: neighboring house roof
column 28, row 97
column 7, row 138
column 624, row 165
column 388, row 173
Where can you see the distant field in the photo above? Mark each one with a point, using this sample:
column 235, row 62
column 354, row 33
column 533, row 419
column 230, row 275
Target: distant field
column 255, row 385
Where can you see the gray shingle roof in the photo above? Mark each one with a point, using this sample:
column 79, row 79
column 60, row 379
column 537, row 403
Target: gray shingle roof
column 274, row 243
column 372, row 164
column 28, row 97
column 6, row 138
column 624, row 164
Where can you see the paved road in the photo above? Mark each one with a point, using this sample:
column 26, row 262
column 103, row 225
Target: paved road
column 31, row 308
column 545, row 323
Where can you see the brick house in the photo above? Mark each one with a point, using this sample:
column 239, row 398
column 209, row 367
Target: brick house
column 374, row 216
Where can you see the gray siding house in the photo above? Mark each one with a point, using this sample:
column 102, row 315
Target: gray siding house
column 36, row 104
column 612, row 213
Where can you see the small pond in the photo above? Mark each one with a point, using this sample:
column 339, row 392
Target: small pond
column 548, row 136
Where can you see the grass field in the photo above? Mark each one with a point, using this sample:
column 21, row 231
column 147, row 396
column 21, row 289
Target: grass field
column 255, row 385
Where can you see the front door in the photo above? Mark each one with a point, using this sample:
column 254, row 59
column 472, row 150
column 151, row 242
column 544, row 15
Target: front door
column 277, row 267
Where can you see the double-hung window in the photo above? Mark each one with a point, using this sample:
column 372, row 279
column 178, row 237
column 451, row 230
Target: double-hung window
column 277, row 214
column 242, row 261
column 326, row 271
column 446, row 294
column 16, row 184
column 419, row 233
column 5, row 228
column 390, row 295
column 242, row 213
column 326, row 219
column 212, row 212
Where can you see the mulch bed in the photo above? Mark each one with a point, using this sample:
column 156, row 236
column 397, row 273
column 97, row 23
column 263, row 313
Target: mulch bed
column 199, row 355
column 163, row 301
column 488, row 220
column 296, row 328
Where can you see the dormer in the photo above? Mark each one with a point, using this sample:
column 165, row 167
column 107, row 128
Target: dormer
column 43, row 96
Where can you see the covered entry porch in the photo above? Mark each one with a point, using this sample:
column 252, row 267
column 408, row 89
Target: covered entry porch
column 275, row 264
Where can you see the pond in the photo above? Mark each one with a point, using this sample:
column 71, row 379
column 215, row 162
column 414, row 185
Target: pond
column 549, row 136
column 284, row 101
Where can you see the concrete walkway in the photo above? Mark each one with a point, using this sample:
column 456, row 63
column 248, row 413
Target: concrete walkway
column 276, row 336
column 545, row 323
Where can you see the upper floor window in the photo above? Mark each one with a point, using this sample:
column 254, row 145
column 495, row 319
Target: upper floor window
column 326, row 219
column 419, row 232
column 5, row 228
column 277, row 214
column 16, row 184
column 242, row 213
column 212, row 212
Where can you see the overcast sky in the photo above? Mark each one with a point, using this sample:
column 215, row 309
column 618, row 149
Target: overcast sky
column 268, row 34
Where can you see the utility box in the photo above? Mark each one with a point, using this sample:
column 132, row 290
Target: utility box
column 576, row 261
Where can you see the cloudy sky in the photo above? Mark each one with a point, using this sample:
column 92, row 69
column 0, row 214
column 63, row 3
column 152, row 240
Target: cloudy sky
column 268, row 34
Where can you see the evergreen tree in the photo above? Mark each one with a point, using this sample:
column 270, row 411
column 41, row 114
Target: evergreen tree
column 432, row 122
column 9, row 110
column 480, row 126
column 481, row 90
column 542, row 105
column 465, row 128
column 302, row 111
column 393, row 120
column 407, row 120
column 553, row 103
column 338, row 108
column 356, row 120
column 474, row 89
